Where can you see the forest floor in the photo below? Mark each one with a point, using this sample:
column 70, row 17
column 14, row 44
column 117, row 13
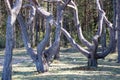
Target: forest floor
column 71, row 66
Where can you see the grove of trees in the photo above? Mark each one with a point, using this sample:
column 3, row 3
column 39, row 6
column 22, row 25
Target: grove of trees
column 91, row 27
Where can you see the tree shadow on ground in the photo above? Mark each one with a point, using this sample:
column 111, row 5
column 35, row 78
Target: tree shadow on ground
column 32, row 76
column 69, row 77
column 81, row 68
column 70, row 50
column 70, row 67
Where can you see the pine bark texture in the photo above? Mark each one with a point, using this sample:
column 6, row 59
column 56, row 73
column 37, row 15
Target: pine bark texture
column 118, row 28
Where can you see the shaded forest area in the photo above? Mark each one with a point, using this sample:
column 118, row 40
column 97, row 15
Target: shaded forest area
column 87, row 15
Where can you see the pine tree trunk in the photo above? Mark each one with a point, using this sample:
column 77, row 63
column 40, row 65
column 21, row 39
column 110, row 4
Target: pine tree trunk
column 37, row 28
column 115, row 16
column 118, row 27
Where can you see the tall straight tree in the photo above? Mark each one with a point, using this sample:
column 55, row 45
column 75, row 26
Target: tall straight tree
column 115, row 16
column 12, row 11
column 118, row 28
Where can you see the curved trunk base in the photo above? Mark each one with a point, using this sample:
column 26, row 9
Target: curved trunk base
column 57, row 56
column 92, row 63
column 41, row 65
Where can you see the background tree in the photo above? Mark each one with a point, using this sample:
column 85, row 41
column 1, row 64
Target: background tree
column 3, row 15
column 118, row 28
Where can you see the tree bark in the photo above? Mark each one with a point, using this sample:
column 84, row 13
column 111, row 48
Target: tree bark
column 53, row 51
column 92, row 62
column 74, row 44
column 103, row 37
column 118, row 28
column 37, row 57
column 115, row 16
column 93, row 47
column 12, row 14
column 41, row 47
column 37, row 27
column 7, row 69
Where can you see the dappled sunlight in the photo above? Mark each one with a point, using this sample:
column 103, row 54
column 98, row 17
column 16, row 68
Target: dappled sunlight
column 110, row 66
column 68, row 75
column 23, row 69
column 2, row 53
column 19, row 50
column 71, row 66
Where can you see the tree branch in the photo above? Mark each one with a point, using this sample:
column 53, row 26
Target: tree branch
column 32, row 13
column 74, row 44
column 109, row 48
column 25, row 38
column 44, row 13
column 65, row 5
column 8, row 6
column 77, row 23
column 100, row 25
column 17, row 6
column 109, row 24
column 54, row 48
column 35, row 2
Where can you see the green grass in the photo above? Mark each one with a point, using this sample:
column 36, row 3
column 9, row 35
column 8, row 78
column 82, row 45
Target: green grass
column 71, row 66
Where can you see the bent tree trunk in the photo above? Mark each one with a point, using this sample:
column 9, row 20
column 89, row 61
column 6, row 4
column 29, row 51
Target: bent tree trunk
column 92, row 62
column 25, row 38
column 41, row 47
column 38, row 56
column 92, row 48
column 53, row 51
column 92, row 52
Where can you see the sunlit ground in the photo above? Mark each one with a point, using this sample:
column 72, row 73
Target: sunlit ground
column 71, row 66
